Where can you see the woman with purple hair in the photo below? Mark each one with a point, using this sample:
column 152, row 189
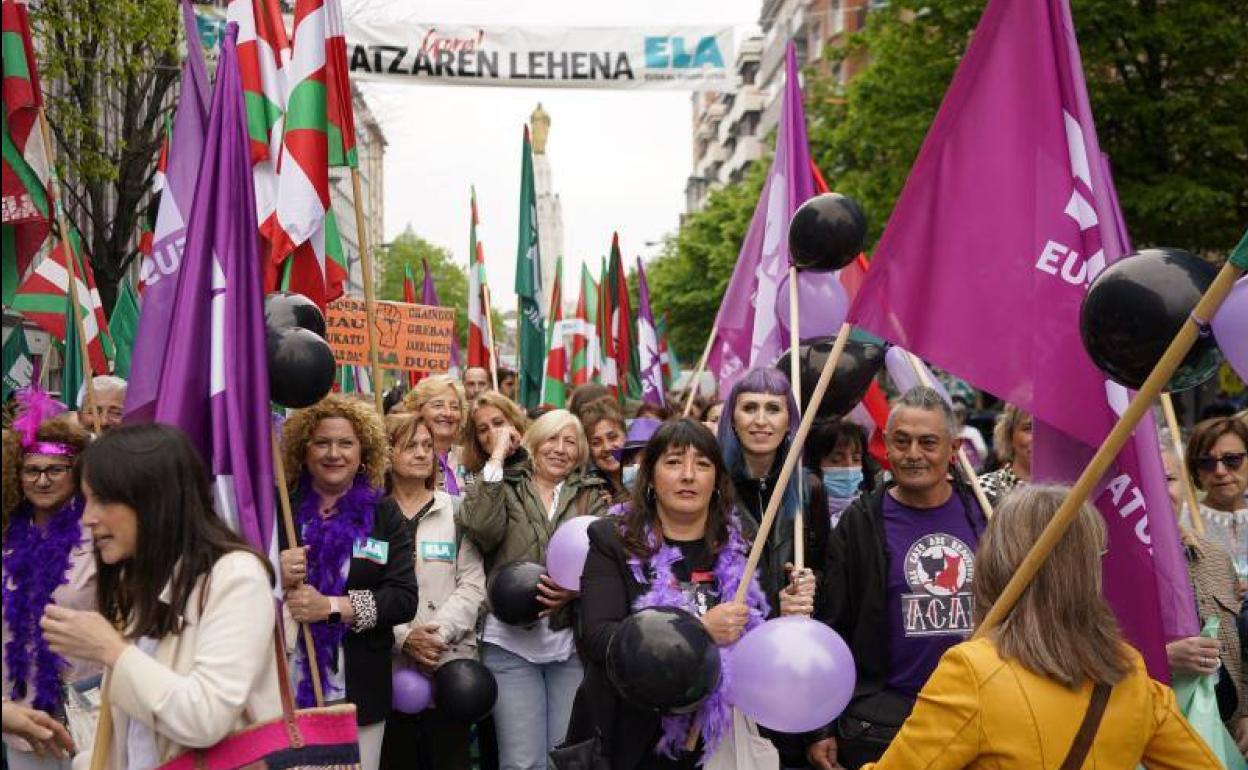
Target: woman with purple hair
column 755, row 432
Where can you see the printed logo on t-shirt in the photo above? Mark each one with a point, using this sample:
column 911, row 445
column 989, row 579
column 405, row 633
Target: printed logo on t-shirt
column 700, row 592
column 939, row 569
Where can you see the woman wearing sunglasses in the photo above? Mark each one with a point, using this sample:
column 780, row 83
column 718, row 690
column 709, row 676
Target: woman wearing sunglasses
column 1217, row 461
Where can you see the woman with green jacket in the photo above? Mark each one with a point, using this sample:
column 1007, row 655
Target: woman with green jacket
column 528, row 488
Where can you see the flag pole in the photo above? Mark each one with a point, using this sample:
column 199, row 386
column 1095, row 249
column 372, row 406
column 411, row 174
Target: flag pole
column 697, row 372
column 1118, row 436
column 790, row 461
column 795, row 340
column 489, row 327
column 54, row 189
column 370, row 302
column 964, row 462
column 288, row 522
column 1189, row 494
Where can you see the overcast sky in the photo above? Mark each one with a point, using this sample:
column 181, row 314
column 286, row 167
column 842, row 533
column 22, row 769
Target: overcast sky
column 619, row 159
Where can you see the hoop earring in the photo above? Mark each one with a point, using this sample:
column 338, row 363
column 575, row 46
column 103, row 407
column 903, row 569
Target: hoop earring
column 649, row 495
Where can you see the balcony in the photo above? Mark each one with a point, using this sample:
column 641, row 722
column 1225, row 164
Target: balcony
column 748, row 149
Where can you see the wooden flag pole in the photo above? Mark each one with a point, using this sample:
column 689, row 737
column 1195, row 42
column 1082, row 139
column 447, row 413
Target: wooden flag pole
column 292, row 537
column 964, row 462
column 795, row 380
column 790, row 461
column 1176, row 437
column 370, row 301
column 1117, row 438
column 54, row 190
column 489, row 327
column 695, row 382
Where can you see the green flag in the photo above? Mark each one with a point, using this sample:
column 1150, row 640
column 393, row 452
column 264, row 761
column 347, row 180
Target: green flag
column 532, row 332
column 123, row 326
column 71, row 373
column 18, row 363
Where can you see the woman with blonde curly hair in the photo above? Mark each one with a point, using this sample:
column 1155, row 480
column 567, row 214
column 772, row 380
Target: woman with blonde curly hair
column 438, row 400
column 350, row 576
column 48, row 560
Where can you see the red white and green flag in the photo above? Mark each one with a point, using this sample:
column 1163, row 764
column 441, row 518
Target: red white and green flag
column 554, row 383
column 263, row 63
column 43, row 299
column 480, row 342
column 582, row 332
column 622, row 325
column 24, row 201
column 318, row 132
column 607, row 374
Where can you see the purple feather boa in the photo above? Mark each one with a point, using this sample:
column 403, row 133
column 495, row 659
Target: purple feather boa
column 36, row 563
column 715, row 714
column 330, row 541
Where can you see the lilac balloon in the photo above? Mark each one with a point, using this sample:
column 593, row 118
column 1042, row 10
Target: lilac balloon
column 822, row 304
column 1230, row 328
column 791, row 674
column 566, row 552
column 901, row 371
column 412, row 691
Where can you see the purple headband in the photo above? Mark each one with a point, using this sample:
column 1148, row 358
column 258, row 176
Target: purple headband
column 51, row 448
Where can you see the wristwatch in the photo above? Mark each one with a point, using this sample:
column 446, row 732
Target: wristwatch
column 335, row 615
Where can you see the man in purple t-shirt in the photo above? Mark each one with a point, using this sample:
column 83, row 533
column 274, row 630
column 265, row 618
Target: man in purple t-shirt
column 897, row 583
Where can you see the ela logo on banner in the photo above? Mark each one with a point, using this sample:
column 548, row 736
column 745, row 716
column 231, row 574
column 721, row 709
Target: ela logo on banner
column 670, row 53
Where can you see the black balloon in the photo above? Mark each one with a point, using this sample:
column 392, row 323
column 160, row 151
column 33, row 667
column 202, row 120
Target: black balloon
column 663, row 659
column 855, row 369
column 301, row 367
column 464, row 690
column 827, row 232
column 1136, row 306
column 513, row 593
column 287, row 310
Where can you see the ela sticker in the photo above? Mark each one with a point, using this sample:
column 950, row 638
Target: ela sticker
column 373, row 550
column 437, row 551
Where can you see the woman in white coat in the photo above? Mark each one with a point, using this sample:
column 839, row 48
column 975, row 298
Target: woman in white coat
column 451, row 577
column 195, row 660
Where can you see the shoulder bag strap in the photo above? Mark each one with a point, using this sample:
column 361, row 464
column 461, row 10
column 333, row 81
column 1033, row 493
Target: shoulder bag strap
column 1087, row 731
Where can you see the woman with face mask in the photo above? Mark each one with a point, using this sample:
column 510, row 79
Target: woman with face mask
column 836, row 451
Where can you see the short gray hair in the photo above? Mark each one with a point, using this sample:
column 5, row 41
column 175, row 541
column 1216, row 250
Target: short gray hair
column 929, row 400
column 104, row 383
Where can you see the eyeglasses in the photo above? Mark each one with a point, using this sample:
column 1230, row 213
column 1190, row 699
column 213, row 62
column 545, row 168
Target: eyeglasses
column 53, row 472
column 1232, row 461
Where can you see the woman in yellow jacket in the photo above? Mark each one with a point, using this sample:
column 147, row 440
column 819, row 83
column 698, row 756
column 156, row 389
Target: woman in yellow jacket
column 1018, row 697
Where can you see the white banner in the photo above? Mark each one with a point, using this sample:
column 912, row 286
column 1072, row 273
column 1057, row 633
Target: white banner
column 685, row 58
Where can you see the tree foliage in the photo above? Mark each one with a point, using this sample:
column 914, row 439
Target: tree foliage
column 107, row 70
column 449, row 278
column 1166, row 80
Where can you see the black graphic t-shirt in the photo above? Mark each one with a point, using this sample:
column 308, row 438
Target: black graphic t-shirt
column 695, row 573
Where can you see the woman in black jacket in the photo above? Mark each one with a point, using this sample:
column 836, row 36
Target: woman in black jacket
column 351, row 578
column 679, row 543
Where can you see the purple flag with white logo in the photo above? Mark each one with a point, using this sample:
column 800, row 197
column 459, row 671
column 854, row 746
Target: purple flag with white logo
column 749, row 332
column 651, row 367
column 215, row 380
column 160, row 269
column 429, row 296
column 1006, row 217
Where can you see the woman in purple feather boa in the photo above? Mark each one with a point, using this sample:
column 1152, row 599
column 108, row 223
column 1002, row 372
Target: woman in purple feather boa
column 350, row 577
column 678, row 544
column 47, row 560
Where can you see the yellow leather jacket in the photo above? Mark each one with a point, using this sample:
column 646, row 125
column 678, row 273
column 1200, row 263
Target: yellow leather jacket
column 980, row 711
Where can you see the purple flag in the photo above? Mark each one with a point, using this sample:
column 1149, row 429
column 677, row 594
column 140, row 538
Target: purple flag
column 651, row 367
column 160, row 269
column 1005, row 219
column 429, row 296
column 215, row 382
column 748, row 331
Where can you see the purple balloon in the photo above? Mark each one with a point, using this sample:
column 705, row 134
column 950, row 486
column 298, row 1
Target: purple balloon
column 412, row 691
column 822, row 304
column 566, row 552
column 901, row 372
column 1230, row 328
column 791, row 674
